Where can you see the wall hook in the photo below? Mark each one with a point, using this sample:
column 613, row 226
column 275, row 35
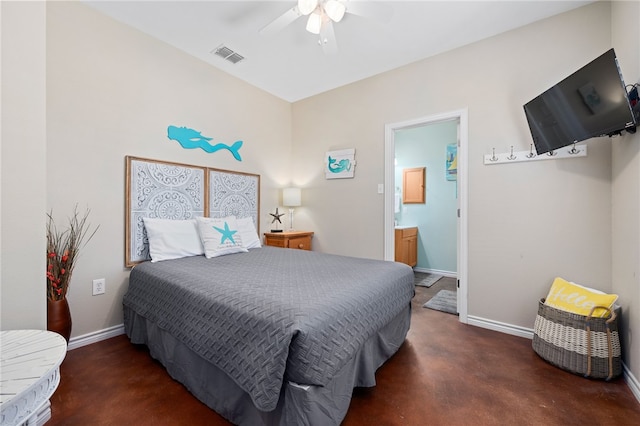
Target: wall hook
column 530, row 154
column 573, row 150
column 493, row 156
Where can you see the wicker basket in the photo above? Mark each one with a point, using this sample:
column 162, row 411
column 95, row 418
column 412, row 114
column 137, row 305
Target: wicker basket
column 582, row 345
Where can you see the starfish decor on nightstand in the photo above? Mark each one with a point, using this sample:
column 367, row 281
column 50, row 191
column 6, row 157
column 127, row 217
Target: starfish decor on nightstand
column 276, row 218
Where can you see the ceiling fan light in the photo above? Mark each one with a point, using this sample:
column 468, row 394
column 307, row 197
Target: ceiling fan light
column 307, row 6
column 314, row 23
column 335, row 10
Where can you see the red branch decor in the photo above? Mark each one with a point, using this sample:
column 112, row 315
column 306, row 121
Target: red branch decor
column 63, row 249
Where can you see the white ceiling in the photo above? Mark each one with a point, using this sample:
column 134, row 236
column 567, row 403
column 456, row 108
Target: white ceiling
column 291, row 64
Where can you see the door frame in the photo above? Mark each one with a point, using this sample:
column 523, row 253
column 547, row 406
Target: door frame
column 461, row 116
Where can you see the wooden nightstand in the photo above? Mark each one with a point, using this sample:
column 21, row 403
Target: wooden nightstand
column 289, row 239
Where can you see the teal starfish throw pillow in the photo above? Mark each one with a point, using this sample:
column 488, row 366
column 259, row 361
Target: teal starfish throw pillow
column 220, row 236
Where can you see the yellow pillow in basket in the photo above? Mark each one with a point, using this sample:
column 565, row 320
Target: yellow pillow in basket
column 574, row 298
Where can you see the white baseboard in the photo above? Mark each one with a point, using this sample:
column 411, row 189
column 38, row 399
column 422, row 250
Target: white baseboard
column 436, row 271
column 500, row 326
column 632, row 382
column 96, row 336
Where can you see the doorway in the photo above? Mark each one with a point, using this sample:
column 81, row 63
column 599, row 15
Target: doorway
column 460, row 117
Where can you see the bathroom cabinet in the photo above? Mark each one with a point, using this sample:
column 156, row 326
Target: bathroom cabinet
column 413, row 185
column 406, row 245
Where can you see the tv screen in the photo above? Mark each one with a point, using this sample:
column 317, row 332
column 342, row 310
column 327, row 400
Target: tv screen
column 591, row 102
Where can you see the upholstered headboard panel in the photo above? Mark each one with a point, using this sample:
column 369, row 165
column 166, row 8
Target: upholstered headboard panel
column 168, row 190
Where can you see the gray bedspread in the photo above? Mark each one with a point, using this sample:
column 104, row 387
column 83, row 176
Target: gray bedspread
column 271, row 314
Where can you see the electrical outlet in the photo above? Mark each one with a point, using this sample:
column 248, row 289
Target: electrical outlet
column 99, row 286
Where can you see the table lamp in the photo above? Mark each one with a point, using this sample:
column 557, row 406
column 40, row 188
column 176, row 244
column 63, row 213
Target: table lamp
column 291, row 198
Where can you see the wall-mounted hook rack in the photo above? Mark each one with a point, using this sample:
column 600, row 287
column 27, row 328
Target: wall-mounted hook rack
column 571, row 151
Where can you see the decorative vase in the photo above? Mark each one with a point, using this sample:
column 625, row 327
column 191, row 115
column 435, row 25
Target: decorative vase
column 59, row 317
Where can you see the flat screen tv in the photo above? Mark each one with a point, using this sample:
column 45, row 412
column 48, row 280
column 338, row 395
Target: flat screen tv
column 591, row 102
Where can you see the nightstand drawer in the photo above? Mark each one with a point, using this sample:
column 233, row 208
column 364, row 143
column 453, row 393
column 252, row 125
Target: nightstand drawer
column 274, row 242
column 300, row 240
column 301, row 243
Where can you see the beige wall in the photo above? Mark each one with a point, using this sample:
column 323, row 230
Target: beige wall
column 113, row 91
column 528, row 222
column 23, row 159
column 626, row 191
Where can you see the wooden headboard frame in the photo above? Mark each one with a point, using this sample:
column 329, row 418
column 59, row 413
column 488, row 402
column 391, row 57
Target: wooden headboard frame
column 168, row 190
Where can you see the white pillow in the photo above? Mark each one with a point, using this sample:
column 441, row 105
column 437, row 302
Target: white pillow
column 220, row 236
column 248, row 232
column 172, row 239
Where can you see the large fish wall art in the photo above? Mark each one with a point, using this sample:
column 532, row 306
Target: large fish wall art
column 191, row 139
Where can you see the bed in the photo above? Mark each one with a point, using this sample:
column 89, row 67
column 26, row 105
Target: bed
column 269, row 335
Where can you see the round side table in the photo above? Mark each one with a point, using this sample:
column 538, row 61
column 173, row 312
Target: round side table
column 29, row 374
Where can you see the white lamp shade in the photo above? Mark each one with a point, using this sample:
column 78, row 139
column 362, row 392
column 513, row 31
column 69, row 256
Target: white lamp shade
column 307, row 6
column 291, row 197
column 314, row 23
column 335, row 10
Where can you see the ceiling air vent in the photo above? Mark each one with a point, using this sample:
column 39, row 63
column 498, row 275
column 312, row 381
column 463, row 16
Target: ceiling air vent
column 228, row 54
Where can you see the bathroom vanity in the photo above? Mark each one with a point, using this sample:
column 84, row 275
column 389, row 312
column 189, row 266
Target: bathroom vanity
column 406, row 238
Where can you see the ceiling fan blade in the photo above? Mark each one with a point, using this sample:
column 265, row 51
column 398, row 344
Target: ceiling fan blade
column 378, row 11
column 328, row 38
column 281, row 21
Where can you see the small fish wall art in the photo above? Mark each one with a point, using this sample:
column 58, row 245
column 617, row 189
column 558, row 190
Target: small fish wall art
column 340, row 164
column 191, row 139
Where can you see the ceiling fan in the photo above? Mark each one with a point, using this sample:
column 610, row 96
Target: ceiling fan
column 322, row 14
